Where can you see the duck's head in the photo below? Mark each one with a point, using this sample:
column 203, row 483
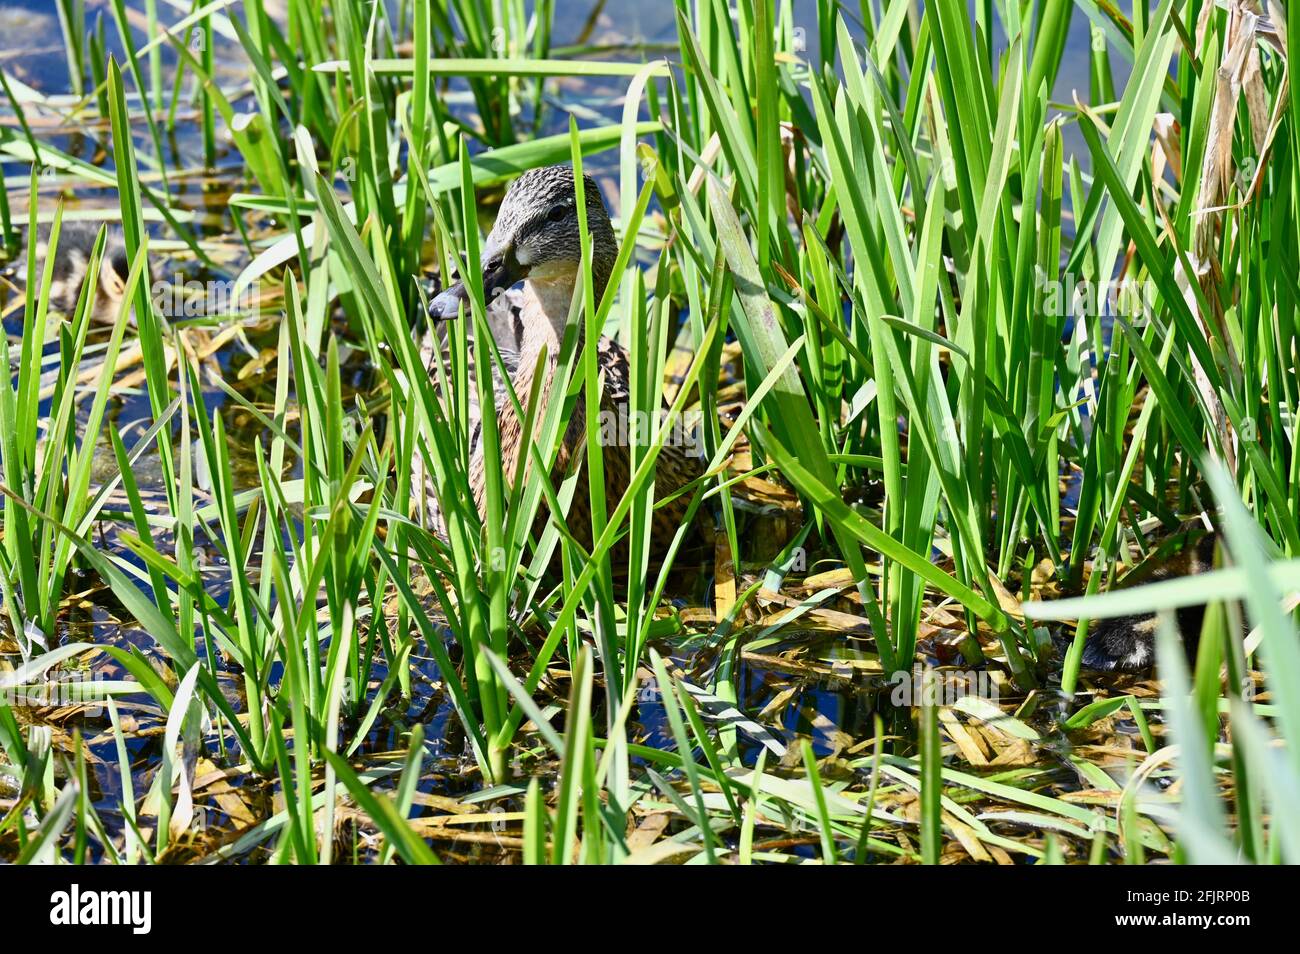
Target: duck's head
column 536, row 237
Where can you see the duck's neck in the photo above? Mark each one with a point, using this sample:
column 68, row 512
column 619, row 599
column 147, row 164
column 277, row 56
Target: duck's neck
column 549, row 302
column 547, row 311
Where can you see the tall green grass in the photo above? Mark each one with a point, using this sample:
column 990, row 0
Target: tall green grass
column 880, row 228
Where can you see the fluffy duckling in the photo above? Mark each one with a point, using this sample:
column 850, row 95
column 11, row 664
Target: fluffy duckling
column 72, row 263
column 1128, row 643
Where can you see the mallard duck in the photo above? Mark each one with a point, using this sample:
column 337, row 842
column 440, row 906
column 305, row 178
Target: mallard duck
column 72, row 262
column 536, row 241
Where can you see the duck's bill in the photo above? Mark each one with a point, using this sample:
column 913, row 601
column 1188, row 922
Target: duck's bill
column 500, row 273
column 447, row 303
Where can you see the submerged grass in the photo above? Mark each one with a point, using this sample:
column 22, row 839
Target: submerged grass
column 879, row 282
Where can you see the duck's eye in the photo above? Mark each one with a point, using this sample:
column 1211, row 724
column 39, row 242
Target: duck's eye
column 558, row 213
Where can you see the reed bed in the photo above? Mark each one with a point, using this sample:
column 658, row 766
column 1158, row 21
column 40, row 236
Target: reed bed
column 960, row 346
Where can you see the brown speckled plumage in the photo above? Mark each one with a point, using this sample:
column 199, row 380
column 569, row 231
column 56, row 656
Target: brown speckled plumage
column 536, row 236
column 71, row 264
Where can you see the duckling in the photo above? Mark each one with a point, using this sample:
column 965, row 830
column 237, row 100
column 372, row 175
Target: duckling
column 1127, row 643
column 536, row 240
column 72, row 262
